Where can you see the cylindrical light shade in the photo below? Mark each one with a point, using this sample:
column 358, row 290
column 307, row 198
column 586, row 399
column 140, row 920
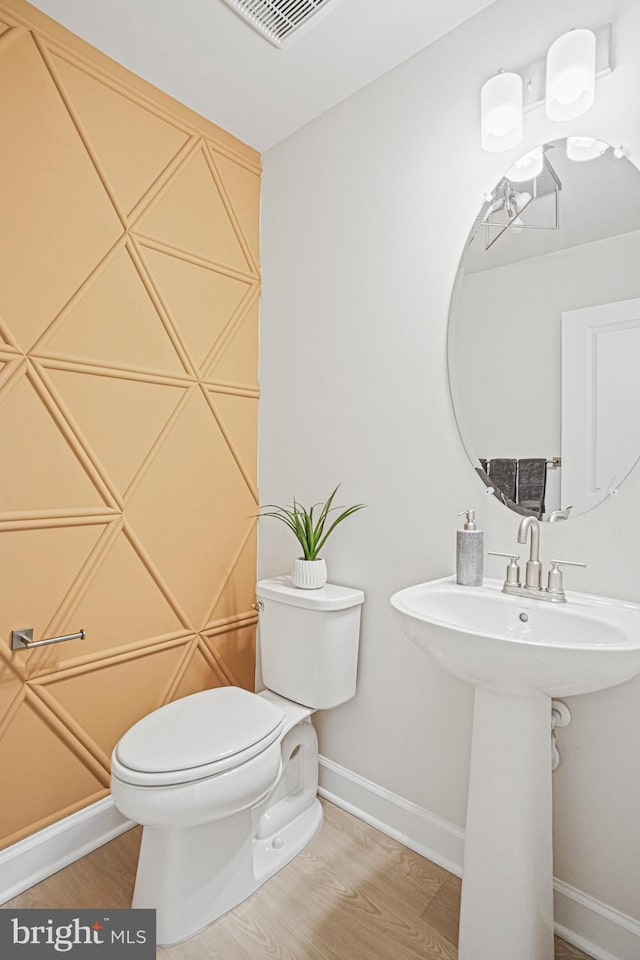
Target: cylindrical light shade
column 571, row 75
column 501, row 112
column 585, row 148
column 527, row 168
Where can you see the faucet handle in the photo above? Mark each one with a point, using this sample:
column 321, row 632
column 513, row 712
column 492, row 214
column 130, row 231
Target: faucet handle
column 567, row 563
column 554, row 582
column 513, row 570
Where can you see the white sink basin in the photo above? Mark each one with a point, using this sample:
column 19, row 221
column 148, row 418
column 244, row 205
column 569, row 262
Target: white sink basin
column 485, row 636
column 518, row 653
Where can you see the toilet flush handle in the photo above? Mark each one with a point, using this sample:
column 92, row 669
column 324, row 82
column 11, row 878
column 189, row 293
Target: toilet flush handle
column 259, row 606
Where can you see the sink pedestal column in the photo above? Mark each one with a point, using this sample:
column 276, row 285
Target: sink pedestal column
column 507, row 886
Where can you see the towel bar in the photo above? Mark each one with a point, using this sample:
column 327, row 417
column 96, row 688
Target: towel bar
column 554, row 463
column 23, row 639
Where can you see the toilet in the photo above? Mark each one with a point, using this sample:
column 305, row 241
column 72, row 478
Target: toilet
column 224, row 781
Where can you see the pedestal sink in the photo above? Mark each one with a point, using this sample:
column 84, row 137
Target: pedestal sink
column 519, row 653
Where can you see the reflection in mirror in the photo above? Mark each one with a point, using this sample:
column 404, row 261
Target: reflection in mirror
column 544, row 330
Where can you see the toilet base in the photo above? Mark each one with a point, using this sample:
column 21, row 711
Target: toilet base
column 191, row 875
column 175, row 876
column 274, row 853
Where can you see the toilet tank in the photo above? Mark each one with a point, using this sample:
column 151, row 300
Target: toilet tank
column 309, row 641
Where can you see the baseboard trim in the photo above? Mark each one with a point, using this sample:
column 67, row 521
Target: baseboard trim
column 593, row 927
column 29, row 861
column 590, row 925
column 432, row 837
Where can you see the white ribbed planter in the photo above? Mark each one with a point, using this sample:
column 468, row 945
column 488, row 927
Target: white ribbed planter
column 309, row 574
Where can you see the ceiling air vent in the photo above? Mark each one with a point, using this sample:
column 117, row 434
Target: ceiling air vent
column 279, row 20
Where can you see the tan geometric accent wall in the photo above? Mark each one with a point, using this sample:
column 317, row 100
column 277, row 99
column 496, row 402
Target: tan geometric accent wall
column 129, row 282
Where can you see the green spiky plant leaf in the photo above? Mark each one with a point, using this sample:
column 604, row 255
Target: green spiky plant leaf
column 310, row 527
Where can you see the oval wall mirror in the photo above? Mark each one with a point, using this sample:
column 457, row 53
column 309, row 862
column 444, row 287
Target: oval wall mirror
column 544, row 330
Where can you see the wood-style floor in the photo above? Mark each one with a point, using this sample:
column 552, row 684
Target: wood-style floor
column 353, row 894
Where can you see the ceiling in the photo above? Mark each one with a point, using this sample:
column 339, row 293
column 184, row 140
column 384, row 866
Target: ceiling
column 203, row 54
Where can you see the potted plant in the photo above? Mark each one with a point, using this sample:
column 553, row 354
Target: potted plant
column 311, row 528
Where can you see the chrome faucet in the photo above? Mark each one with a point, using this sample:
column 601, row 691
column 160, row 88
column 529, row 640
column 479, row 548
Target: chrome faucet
column 532, row 588
column 533, row 569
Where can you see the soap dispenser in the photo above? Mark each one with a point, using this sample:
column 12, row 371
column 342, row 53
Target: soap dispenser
column 469, row 552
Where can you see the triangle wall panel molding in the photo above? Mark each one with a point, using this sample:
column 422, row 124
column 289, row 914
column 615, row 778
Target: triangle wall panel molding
column 201, row 301
column 238, row 361
column 190, row 215
column 123, row 691
column 211, row 508
column 133, row 144
column 236, row 414
column 199, row 675
column 7, row 342
column 57, row 220
column 10, row 690
column 51, row 475
column 243, row 189
column 235, row 648
column 35, row 754
column 238, row 590
column 120, row 442
column 32, row 585
column 98, row 325
column 122, row 604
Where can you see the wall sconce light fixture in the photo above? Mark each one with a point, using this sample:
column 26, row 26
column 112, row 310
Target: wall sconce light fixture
column 564, row 81
column 501, row 112
column 571, row 75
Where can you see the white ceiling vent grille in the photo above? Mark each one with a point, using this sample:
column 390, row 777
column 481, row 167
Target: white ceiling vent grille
column 279, row 20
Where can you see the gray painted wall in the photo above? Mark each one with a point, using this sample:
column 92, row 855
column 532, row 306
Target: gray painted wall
column 365, row 214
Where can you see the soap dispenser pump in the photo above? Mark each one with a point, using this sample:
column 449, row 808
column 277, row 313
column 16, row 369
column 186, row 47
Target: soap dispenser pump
column 469, row 552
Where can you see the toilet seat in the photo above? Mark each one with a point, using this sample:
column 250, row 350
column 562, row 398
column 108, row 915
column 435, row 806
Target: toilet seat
column 199, row 736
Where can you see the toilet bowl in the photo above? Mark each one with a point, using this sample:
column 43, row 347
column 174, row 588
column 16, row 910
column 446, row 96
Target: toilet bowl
column 224, row 781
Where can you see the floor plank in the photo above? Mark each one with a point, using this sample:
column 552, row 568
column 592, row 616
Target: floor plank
column 352, row 893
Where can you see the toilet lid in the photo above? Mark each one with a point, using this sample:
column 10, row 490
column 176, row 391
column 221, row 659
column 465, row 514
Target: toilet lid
column 200, row 729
